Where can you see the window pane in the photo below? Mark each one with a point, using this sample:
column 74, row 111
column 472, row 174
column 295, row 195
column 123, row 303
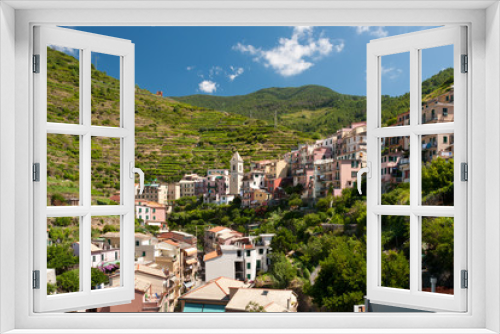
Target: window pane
column 63, row 170
column 395, row 170
column 395, row 252
column 63, row 251
column 437, row 254
column 105, row 171
column 395, row 90
column 105, row 252
column 437, row 85
column 63, row 84
column 105, row 89
column 437, row 169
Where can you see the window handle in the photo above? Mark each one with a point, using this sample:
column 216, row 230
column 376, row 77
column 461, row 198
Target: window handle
column 139, row 171
column 368, row 171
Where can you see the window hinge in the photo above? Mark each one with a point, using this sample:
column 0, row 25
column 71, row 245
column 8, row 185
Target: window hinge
column 36, row 63
column 465, row 279
column 465, row 64
column 36, row 172
column 36, row 279
column 464, row 171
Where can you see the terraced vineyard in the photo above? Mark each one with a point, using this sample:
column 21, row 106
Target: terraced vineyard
column 172, row 138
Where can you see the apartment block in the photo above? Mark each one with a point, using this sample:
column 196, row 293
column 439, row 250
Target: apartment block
column 153, row 192
column 241, row 259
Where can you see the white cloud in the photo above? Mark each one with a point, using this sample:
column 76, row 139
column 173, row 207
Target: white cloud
column 69, row 51
column 190, row 68
column 236, row 72
column 293, row 55
column 373, row 31
column 391, row 72
column 207, row 86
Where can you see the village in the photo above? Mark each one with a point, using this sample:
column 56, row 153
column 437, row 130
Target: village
column 176, row 273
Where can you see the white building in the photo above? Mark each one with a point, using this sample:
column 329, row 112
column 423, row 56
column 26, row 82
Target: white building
column 241, row 260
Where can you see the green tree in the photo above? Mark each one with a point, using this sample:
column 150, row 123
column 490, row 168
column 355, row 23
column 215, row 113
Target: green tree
column 98, row 277
column 69, row 281
column 63, row 221
column 437, row 182
column 282, row 270
column 254, row 307
column 60, row 258
column 341, row 282
column 438, row 243
column 395, row 270
column 284, row 241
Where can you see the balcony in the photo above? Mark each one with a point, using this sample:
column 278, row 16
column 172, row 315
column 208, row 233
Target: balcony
column 429, row 145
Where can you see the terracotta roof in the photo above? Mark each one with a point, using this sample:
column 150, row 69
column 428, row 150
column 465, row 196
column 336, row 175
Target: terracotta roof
column 212, row 255
column 171, row 242
column 215, row 290
column 217, row 229
column 142, row 236
column 273, row 300
column 149, row 203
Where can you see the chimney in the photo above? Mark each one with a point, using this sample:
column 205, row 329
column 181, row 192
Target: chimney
column 232, row 291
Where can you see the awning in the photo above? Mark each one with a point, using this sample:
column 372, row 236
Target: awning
column 214, row 308
column 191, row 261
column 191, row 251
column 205, row 308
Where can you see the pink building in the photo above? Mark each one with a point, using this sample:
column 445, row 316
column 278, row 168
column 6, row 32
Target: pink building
column 151, row 213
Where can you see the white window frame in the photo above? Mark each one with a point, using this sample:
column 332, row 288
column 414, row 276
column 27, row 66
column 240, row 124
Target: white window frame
column 15, row 39
column 85, row 43
column 412, row 44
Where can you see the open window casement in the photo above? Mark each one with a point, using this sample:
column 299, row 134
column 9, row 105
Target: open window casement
column 70, row 135
column 418, row 135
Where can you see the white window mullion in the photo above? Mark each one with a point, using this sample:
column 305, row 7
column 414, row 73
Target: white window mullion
column 373, row 184
column 86, row 171
column 414, row 166
column 127, row 118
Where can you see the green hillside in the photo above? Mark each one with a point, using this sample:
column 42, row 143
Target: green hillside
column 172, row 138
column 313, row 109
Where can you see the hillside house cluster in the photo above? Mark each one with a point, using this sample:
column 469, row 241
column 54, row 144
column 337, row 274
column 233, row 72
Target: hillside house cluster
column 165, row 267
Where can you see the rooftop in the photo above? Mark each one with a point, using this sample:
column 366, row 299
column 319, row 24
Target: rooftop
column 214, row 290
column 217, row 229
column 150, row 271
column 212, row 255
column 273, row 300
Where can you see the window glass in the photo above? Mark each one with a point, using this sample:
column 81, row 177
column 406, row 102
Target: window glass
column 105, row 89
column 105, row 247
column 63, row 170
column 395, row 255
column 395, row 96
column 63, row 84
column 63, row 255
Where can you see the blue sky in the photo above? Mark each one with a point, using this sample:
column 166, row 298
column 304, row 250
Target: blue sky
column 239, row 60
